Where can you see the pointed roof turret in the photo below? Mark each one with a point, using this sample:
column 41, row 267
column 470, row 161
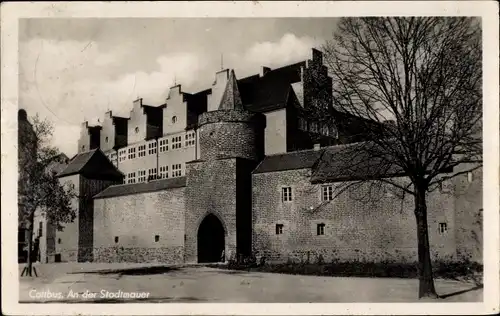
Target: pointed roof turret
column 231, row 98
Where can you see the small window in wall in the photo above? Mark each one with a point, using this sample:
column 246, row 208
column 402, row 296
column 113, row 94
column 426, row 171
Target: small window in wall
column 302, row 124
column 443, row 228
column 163, row 145
column 163, row 172
column 152, row 148
column 59, row 240
column 40, row 229
column 107, row 139
column 131, row 153
column 286, row 194
column 141, row 176
column 174, row 119
column 190, row 139
column 320, row 229
column 279, row 229
column 157, row 238
column 327, row 193
column 325, row 130
column 469, row 177
column 83, row 147
column 176, row 170
column 142, row 151
column 176, row 142
column 116, row 239
column 136, row 129
column 151, row 174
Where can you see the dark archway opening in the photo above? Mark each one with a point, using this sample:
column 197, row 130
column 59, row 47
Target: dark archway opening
column 210, row 240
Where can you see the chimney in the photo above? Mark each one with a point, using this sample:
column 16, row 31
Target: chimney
column 264, row 70
column 317, row 146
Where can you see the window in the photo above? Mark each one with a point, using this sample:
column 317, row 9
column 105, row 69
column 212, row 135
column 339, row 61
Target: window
column 469, row 177
column 443, row 228
column 279, row 229
column 176, row 170
column 174, row 119
column 176, row 142
column 112, row 156
column 131, row 177
column 157, row 238
column 302, row 124
column 445, row 186
column 122, row 155
column 314, row 127
column 83, row 147
column 324, row 129
column 152, row 148
column 152, row 174
column 136, row 129
column 107, row 139
column 59, row 240
column 320, row 229
column 163, row 172
column 40, row 229
column 327, row 193
column 141, row 151
column 286, row 194
column 190, row 139
column 116, row 239
column 131, row 153
column 141, row 176
column 163, row 145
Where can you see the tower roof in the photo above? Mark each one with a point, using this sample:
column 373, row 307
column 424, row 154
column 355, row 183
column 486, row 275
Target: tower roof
column 93, row 165
column 231, row 98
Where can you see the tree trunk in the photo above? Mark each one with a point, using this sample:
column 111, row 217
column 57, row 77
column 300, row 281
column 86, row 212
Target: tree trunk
column 29, row 262
column 425, row 275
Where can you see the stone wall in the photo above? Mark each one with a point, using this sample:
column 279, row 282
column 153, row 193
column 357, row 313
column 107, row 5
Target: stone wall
column 360, row 224
column 210, row 189
column 147, row 227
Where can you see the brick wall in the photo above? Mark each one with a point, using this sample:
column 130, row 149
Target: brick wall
column 356, row 227
column 210, row 189
column 469, row 214
column 136, row 219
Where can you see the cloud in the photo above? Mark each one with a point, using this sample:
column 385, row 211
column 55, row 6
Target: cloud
column 71, row 81
column 287, row 50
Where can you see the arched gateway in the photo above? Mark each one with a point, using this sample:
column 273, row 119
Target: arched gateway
column 211, row 241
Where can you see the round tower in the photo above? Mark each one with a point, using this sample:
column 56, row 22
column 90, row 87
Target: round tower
column 232, row 133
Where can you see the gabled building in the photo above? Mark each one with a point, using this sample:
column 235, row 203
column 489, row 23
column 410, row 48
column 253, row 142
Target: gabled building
column 245, row 167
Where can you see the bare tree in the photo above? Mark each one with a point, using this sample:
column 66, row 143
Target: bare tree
column 417, row 82
column 38, row 187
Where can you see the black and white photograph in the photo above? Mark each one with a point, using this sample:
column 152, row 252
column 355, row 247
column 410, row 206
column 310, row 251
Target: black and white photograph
column 186, row 158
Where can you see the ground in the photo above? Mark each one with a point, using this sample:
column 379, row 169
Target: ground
column 202, row 284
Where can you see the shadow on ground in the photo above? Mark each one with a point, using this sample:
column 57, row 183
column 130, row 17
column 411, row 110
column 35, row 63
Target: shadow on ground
column 133, row 271
column 478, row 287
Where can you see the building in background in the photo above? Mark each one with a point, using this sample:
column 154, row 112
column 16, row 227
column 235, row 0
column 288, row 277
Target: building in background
column 247, row 166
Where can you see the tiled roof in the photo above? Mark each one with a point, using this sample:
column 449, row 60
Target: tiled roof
column 127, row 189
column 92, row 164
column 289, row 161
column 269, row 92
column 350, row 163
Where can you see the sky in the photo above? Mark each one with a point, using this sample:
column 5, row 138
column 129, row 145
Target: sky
column 75, row 69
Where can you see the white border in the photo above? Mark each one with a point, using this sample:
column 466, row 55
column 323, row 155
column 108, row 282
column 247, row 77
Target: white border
column 12, row 11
